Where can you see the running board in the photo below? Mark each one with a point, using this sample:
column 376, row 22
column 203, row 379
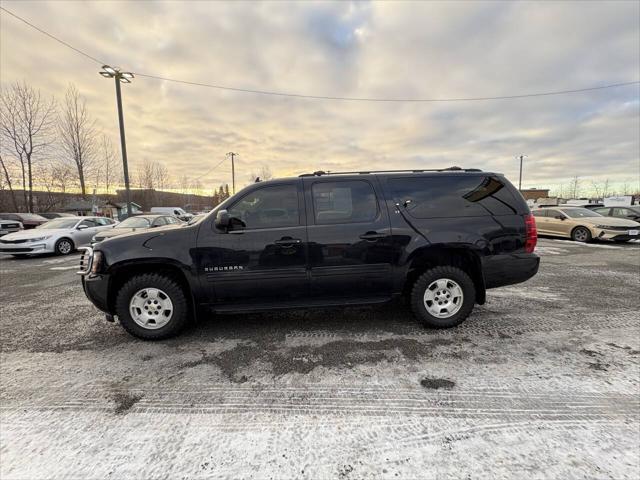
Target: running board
column 261, row 307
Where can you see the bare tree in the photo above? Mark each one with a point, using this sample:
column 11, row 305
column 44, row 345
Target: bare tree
column 26, row 121
column 78, row 134
column 574, row 187
column 7, row 179
column 146, row 175
column 160, row 176
column 61, row 176
column 263, row 174
column 109, row 164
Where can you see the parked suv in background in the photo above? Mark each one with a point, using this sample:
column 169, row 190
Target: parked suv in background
column 440, row 238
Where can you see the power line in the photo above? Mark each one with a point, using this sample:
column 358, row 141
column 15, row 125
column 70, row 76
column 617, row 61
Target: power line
column 404, row 100
column 326, row 97
column 213, row 168
column 53, row 37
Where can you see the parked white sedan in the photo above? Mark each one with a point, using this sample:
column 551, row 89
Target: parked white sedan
column 61, row 236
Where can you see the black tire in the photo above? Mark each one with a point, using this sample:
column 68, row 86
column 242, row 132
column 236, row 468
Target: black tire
column 173, row 291
column 581, row 234
column 64, row 246
column 426, row 279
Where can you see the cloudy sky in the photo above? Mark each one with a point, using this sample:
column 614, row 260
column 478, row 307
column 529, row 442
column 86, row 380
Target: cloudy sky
column 363, row 49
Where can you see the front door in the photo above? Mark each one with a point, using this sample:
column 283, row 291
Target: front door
column 261, row 258
column 350, row 247
column 557, row 223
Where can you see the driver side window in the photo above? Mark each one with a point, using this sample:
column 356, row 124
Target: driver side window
column 89, row 223
column 268, row 207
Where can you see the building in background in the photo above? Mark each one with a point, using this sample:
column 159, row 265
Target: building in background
column 534, row 193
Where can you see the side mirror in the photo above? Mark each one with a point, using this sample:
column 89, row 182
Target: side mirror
column 222, row 220
column 81, row 227
column 559, row 217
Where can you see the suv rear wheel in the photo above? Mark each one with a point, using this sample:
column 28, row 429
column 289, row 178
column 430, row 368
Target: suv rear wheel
column 443, row 297
column 152, row 306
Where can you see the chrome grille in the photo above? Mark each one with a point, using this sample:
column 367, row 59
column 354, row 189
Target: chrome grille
column 13, row 242
column 86, row 259
column 617, row 228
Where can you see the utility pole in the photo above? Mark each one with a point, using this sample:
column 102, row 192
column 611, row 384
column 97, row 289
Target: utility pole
column 520, row 179
column 233, row 155
column 121, row 77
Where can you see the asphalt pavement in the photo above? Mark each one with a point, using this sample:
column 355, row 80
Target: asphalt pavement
column 542, row 381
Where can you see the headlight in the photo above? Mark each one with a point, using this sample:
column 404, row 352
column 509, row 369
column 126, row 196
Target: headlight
column 98, row 258
column 603, row 226
column 39, row 239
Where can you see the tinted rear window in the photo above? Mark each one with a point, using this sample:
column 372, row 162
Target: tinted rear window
column 453, row 196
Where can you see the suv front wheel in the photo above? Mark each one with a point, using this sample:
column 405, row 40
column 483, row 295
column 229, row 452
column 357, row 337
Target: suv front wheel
column 152, row 306
column 443, row 297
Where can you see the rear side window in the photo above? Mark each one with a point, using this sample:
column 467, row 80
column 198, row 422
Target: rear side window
column 540, row 213
column 452, row 196
column 344, row 202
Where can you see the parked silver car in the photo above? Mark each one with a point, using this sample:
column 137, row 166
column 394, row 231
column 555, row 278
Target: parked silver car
column 61, row 236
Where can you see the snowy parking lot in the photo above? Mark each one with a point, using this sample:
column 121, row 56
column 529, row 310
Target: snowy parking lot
column 542, row 381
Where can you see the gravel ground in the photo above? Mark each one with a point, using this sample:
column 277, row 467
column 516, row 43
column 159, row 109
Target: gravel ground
column 541, row 381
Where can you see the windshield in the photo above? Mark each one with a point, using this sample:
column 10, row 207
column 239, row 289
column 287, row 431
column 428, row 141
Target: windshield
column 635, row 210
column 31, row 216
column 134, row 222
column 580, row 213
column 59, row 223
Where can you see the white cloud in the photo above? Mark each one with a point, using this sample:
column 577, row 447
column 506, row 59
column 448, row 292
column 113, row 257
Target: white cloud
column 385, row 49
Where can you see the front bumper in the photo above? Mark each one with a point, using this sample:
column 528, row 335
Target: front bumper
column 26, row 248
column 627, row 234
column 96, row 288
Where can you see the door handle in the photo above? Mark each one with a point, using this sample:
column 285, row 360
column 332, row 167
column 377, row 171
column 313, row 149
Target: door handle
column 370, row 236
column 288, row 241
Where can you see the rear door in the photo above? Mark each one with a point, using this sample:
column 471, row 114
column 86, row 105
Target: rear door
column 261, row 259
column 350, row 248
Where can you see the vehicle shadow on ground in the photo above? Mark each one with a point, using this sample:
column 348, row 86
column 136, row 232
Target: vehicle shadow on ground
column 394, row 318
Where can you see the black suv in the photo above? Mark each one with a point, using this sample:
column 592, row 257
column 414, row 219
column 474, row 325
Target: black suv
column 439, row 237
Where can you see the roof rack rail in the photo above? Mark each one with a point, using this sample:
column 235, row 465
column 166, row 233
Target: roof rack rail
column 320, row 173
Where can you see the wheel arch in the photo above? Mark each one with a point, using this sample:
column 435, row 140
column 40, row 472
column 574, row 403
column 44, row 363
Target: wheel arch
column 434, row 256
column 120, row 273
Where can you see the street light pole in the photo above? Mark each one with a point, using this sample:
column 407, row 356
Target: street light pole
column 123, row 145
column 520, row 179
column 121, row 77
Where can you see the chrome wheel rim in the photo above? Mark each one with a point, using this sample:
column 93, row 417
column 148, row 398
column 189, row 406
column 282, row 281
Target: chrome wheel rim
column 443, row 298
column 64, row 247
column 151, row 308
column 580, row 234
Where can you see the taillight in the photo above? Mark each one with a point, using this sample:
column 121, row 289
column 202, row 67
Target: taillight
column 532, row 233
